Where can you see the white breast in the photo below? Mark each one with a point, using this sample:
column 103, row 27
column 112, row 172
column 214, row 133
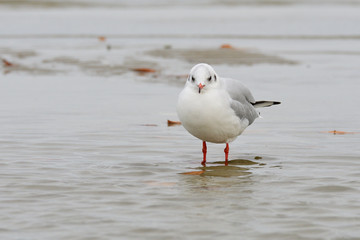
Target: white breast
column 208, row 116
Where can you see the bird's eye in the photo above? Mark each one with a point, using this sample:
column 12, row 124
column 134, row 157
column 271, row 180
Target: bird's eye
column 209, row 79
column 193, row 79
column 215, row 77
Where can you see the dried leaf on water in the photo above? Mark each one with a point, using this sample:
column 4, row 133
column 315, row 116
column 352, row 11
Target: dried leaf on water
column 173, row 123
column 102, row 38
column 143, row 70
column 7, row 63
column 228, row 46
column 340, row 132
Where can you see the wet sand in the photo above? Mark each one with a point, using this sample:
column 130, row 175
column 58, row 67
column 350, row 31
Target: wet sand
column 229, row 56
column 85, row 150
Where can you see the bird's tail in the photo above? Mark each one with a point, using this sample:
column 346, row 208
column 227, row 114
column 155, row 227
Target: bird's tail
column 260, row 104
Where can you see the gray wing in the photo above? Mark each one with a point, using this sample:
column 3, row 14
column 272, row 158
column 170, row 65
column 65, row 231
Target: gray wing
column 242, row 99
column 238, row 91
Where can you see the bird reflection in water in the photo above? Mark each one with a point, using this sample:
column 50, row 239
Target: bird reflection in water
column 235, row 168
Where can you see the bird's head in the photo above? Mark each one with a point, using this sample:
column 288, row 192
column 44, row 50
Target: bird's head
column 202, row 77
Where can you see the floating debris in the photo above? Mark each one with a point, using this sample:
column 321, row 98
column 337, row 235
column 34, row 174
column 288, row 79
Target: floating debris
column 143, row 70
column 102, row 38
column 228, row 46
column 335, row 132
column 173, row 123
column 7, row 63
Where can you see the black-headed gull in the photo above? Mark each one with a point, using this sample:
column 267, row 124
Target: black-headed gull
column 216, row 109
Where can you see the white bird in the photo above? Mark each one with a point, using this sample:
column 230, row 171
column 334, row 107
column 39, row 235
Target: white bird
column 216, row 109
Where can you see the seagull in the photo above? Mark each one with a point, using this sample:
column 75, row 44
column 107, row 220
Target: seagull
column 216, row 109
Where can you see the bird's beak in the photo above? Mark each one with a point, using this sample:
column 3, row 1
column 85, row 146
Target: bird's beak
column 200, row 87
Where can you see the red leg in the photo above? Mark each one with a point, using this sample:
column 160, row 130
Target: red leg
column 204, row 150
column 226, row 150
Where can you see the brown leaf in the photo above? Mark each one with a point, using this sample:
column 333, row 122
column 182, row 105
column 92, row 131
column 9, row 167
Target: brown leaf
column 340, row 132
column 102, row 38
column 227, row 46
column 173, row 123
column 144, row 70
column 7, row 63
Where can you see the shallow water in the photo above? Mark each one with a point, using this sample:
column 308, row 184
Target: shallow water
column 85, row 151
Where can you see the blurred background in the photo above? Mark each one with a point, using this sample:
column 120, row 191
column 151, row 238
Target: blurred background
column 87, row 88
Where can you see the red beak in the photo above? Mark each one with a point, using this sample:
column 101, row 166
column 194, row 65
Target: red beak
column 200, row 87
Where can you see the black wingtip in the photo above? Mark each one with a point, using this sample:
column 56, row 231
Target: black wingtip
column 265, row 103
